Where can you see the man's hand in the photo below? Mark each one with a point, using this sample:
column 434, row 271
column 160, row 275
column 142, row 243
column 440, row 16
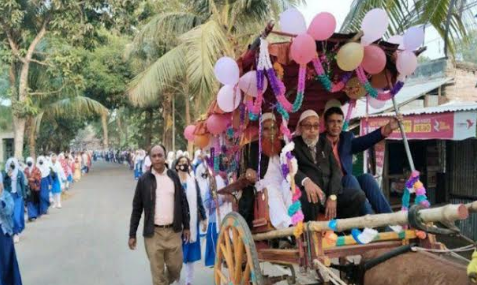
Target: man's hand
column 392, row 125
column 204, row 226
column 313, row 192
column 330, row 212
column 186, row 236
column 251, row 175
column 132, row 243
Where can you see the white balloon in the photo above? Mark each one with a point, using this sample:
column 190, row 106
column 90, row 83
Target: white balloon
column 332, row 103
column 374, row 25
column 248, row 83
column 227, row 71
column 398, row 40
column 229, row 98
column 375, row 103
column 293, row 22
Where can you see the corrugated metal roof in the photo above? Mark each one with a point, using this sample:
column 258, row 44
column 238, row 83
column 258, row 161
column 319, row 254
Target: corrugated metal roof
column 408, row 93
column 448, row 107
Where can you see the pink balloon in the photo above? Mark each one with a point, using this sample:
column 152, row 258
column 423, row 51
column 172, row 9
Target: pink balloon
column 228, row 98
column 189, row 133
column 374, row 59
column 406, row 62
column 216, row 124
column 293, row 22
column 322, row 27
column 248, row 83
column 303, row 49
column 413, row 38
column 375, row 103
column 227, row 71
column 374, row 25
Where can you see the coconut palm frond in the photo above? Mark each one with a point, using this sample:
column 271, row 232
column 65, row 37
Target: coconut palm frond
column 147, row 85
column 165, row 27
column 404, row 14
column 205, row 45
column 75, row 106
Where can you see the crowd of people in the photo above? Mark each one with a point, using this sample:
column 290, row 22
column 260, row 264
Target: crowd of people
column 28, row 189
column 175, row 195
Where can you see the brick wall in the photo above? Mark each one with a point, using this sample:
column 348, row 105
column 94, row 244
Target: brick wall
column 465, row 80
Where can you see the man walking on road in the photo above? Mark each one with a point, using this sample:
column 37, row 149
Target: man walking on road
column 166, row 218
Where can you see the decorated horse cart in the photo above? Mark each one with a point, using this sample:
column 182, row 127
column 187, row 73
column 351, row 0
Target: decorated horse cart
column 315, row 69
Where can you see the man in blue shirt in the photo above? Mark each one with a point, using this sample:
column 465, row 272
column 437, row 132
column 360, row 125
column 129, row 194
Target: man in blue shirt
column 344, row 145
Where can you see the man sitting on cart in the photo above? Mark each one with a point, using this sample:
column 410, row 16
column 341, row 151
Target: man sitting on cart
column 271, row 177
column 344, row 145
column 320, row 177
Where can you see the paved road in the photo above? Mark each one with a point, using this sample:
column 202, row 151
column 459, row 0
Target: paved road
column 86, row 241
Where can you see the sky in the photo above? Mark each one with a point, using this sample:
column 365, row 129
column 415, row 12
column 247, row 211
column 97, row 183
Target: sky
column 340, row 8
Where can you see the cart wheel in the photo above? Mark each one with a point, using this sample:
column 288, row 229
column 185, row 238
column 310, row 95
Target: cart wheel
column 236, row 260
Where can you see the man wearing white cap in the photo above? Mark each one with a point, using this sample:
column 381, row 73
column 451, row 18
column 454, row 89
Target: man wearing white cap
column 319, row 175
column 271, row 177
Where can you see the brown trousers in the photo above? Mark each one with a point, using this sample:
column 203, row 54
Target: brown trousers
column 164, row 251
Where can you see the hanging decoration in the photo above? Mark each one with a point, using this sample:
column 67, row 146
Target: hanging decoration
column 351, row 105
column 326, row 81
column 383, row 96
column 414, row 185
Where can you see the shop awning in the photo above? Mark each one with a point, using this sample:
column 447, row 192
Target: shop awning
column 408, row 93
column 452, row 121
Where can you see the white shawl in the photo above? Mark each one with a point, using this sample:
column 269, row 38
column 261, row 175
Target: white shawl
column 44, row 169
column 191, row 193
column 13, row 173
column 226, row 207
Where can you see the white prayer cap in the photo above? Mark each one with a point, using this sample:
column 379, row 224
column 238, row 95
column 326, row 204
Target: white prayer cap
column 268, row 116
column 303, row 116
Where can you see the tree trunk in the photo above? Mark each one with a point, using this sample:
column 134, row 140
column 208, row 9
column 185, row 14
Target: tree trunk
column 190, row 145
column 148, row 128
column 167, row 131
column 32, row 136
column 119, row 125
column 104, row 122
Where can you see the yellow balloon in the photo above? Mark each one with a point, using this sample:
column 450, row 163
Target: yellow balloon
column 354, row 89
column 350, row 56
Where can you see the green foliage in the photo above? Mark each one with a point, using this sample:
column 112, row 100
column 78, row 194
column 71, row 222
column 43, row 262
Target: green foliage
column 404, row 14
column 467, row 51
column 56, row 134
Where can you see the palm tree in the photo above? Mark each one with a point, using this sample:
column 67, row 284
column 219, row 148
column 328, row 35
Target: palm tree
column 74, row 106
column 192, row 39
column 446, row 16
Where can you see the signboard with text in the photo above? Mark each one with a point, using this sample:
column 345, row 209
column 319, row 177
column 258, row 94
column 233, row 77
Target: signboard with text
column 450, row 126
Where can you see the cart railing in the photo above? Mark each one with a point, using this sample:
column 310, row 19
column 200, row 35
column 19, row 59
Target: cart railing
column 448, row 213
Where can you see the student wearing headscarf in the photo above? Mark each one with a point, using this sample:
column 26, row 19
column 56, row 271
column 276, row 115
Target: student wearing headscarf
column 45, row 184
column 58, row 177
column 33, row 176
column 9, row 270
column 191, row 249
column 170, row 159
column 77, row 167
column 14, row 182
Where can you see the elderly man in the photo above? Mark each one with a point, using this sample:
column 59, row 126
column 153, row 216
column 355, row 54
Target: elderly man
column 320, row 177
column 271, row 177
column 160, row 196
column 344, row 145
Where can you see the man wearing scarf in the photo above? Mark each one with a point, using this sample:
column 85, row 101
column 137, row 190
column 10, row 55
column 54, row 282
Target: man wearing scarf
column 33, row 176
column 45, row 185
column 15, row 183
column 271, row 177
column 319, row 175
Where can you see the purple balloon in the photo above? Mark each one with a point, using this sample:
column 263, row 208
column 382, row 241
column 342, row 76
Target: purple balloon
column 413, row 38
column 406, row 62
